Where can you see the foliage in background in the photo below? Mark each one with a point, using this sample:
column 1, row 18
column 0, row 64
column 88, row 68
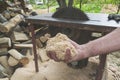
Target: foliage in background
column 85, row 5
column 45, row 4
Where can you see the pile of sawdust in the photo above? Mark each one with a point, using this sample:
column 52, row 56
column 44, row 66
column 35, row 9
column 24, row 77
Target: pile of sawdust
column 59, row 44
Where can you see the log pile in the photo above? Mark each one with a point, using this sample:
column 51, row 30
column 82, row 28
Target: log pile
column 15, row 38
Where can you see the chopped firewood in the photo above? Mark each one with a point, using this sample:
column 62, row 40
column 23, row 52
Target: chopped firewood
column 4, row 63
column 12, row 14
column 43, row 39
column 3, row 51
column 22, row 46
column 7, row 26
column 2, row 72
column 43, row 55
column 6, row 14
column 2, row 19
column 47, row 35
column 16, row 10
column 19, row 36
column 5, row 42
column 18, row 56
column 27, row 42
column 12, row 61
column 18, row 28
column 38, row 43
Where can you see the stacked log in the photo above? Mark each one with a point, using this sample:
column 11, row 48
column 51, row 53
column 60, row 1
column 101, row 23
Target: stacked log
column 14, row 39
column 7, row 26
column 41, row 41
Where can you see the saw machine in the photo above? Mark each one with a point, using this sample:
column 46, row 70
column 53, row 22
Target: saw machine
column 78, row 26
column 66, row 11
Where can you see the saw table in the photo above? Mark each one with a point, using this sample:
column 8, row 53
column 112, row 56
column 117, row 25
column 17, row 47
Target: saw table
column 97, row 23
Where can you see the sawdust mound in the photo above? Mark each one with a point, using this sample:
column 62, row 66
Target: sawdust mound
column 59, row 44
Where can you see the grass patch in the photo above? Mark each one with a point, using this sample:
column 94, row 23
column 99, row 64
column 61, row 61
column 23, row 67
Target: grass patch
column 93, row 8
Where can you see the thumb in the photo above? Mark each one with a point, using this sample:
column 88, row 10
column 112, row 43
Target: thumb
column 73, row 43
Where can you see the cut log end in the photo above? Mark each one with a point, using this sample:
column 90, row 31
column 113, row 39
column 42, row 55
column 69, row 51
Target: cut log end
column 24, row 61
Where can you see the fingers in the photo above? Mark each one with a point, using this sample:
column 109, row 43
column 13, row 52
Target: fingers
column 67, row 55
column 52, row 55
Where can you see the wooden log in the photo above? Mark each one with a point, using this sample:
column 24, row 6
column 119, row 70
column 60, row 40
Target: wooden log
column 12, row 14
column 16, row 10
column 18, row 28
column 4, row 63
column 6, row 14
column 19, row 36
column 7, row 26
column 39, row 44
column 3, row 51
column 2, row 72
column 5, row 42
column 12, row 61
column 43, row 39
column 18, row 56
column 47, row 35
column 19, row 46
column 42, row 54
column 27, row 42
column 2, row 19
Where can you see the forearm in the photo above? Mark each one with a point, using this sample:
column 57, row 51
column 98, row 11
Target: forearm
column 105, row 44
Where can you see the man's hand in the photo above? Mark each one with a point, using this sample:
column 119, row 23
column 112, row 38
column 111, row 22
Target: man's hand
column 81, row 53
column 52, row 55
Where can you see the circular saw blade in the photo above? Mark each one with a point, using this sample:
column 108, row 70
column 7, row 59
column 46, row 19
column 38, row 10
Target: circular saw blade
column 70, row 13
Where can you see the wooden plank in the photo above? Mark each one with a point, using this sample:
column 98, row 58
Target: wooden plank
column 19, row 36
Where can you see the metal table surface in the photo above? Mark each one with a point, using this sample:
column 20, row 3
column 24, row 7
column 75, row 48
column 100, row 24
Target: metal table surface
column 97, row 22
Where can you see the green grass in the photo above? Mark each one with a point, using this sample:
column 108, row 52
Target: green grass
column 39, row 6
column 93, row 8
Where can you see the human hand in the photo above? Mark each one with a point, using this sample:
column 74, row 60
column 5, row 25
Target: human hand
column 52, row 55
column 81, row 53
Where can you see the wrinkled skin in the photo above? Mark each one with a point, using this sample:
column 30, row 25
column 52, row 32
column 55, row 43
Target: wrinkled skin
column 103, row 45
